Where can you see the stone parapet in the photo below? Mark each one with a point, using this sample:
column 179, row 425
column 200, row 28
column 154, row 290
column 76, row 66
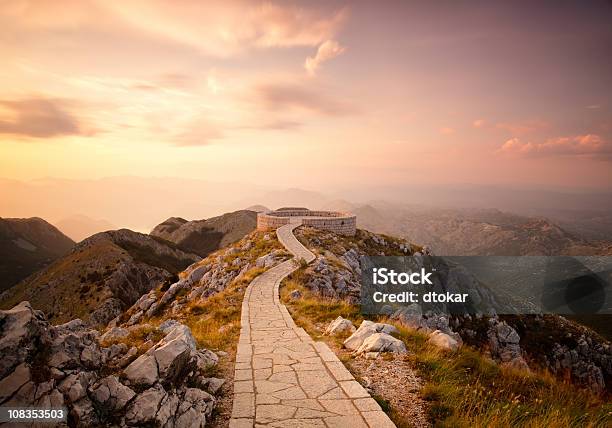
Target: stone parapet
column 333, row 221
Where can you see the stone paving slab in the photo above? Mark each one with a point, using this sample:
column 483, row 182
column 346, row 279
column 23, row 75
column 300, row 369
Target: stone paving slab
column 282, row 377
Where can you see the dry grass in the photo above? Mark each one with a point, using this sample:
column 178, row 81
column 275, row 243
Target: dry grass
column 215, row 322
column 310, row 310
column 465, row 388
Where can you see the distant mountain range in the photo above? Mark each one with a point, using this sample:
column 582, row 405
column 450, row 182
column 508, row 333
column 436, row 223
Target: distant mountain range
column 28, row 245
column 79, row 227
column 139, row 203
column 472, row 232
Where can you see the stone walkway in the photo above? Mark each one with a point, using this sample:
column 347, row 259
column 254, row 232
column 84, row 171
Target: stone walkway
column 282, row 377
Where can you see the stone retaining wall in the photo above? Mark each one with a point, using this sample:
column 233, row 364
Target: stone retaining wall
column 334, row 221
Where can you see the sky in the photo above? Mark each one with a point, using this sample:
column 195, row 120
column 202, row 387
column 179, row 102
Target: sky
column 320, row 95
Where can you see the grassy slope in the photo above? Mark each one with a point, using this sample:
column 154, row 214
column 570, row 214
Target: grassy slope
column 465, row 388
column 65, row 291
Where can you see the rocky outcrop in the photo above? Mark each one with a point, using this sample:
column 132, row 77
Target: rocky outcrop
column 443, row 341
column 336, row 273
column 365, row 330
column 381, row 342
column 338, row 326
column 69, row 366
column 504, row 344
column 172, row 357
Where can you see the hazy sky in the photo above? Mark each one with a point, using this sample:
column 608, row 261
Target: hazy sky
column 347, row 93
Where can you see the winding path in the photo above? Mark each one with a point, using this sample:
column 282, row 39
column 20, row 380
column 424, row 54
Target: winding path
column 282, row 377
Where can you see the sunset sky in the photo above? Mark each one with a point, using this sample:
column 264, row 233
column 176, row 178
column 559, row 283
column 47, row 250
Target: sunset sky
column 339, row 93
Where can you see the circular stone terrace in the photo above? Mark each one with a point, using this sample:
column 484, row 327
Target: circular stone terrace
column 334, row 221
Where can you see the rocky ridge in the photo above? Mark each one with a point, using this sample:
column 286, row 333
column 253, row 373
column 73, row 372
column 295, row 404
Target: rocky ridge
column 202, row 237
column 100, row 277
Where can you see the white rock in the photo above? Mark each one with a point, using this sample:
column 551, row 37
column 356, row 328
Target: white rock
column 382, row 342
column 142, row 371
column 205, row 359
column 365, row 330
column 144, row 407
column 111, row 393
column 340, row 325
column 443, row 341
column 171, row 357
column 166, row 359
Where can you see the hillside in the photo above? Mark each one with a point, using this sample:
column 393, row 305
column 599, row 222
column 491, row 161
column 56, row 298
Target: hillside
column 202, row 237
column 27, row 245
column 170, row 354
column 100, row 277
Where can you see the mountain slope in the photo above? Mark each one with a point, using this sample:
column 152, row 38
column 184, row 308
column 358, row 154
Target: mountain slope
column 27, row 245
column 202, row 237
column 100, row 277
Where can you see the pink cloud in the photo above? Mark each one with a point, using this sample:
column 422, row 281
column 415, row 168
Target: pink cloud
column 284, row 97
column 522, row 128
column 327, row 50
column 447, row 131
column 39, row 118
column 478, row 123
column 589, row 145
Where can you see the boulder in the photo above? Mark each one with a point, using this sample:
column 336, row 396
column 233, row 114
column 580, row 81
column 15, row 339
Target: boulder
column 111, row 394
column 382, row 342
column 142, row 371
column 196, row 274
column 167, row 410
column 127, row 358
column 181, row 332
column 205, row 359
column 340, row 325
column 211, row 384
column 136, row 317
column 91, row 357
column 168, row 325
column 113, row 334
column 504, row 344
column 295, row 294
column 71, row 326
column 143, row 410
column 172, row 356
column 11, row 384
column 443, row 341
column 365, row 330
column 194, row 408
column 21, row 329
column 74, row 386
